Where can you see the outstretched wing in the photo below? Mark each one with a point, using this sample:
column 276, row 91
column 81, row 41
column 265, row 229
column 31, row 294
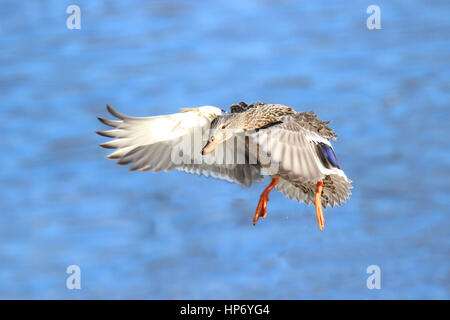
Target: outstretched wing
column 168, row 142
column 297, row 152
column 302, row 157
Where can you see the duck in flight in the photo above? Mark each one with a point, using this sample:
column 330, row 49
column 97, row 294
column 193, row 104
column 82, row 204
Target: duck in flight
column 293, row 148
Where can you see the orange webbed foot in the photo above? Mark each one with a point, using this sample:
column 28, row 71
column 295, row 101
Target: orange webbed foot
column 261, row 209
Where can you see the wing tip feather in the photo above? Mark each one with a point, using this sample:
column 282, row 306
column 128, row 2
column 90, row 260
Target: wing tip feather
column 103, row 134
column 114, row 112
column 111, row 123
column 106, row 145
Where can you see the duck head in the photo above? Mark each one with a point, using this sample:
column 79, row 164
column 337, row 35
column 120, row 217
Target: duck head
column 221, row 129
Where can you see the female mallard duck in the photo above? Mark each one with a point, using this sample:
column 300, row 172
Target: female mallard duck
column 292, row 147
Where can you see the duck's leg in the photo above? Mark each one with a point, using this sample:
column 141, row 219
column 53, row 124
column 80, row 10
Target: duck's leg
column 261, row 209
column 318, row 205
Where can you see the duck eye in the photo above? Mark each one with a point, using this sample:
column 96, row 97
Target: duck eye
column 212, row 138
column 223, row 127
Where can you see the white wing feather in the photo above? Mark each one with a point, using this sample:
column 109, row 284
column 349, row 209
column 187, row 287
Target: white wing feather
column 149, row 142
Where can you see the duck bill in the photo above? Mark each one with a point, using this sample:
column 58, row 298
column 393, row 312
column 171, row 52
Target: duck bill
column 209, row 147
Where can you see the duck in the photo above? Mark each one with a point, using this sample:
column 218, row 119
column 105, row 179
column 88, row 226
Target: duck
column 242, row 146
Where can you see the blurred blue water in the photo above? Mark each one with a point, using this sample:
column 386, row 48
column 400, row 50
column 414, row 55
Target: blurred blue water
column 175, row 235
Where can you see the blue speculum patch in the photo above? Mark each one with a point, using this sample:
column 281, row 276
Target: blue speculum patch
column 327, row 156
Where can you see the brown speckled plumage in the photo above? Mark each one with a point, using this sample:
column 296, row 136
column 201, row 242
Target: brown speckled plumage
column 260, row 115
column 310, row 121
